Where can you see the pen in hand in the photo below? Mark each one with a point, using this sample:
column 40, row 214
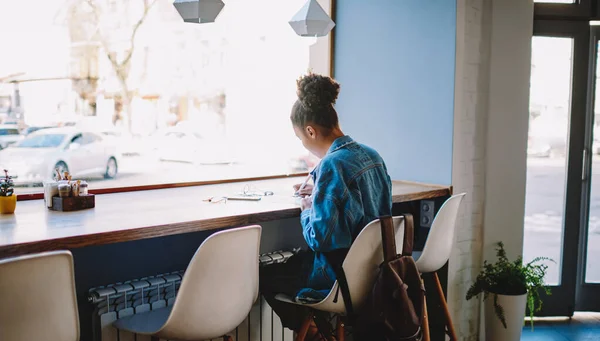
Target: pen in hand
column 303, row 185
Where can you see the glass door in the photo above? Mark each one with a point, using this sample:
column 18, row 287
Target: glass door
column 555, row 154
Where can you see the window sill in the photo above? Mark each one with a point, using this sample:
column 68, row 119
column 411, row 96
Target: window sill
column 40, row 195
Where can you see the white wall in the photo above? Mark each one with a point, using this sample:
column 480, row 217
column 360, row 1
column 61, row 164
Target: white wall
column 468, row 158
column 508, row 123
column 493, row 61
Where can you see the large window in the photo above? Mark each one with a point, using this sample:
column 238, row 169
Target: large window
column 162, row 101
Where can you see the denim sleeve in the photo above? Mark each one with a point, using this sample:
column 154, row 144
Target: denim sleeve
column 320, row 222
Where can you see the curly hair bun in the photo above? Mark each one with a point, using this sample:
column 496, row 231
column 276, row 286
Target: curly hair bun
column 317, row 91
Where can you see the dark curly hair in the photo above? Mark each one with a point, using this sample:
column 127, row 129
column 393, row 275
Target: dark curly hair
column 316, row 97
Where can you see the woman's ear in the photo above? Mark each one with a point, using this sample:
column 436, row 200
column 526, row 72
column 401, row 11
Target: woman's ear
column 311, row 132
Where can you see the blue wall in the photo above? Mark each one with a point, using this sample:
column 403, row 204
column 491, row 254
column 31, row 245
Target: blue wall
column 395, row 60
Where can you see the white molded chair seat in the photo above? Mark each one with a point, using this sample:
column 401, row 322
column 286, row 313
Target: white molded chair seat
column 361, row 267
column 147, row 323
column 216, row 294
column 37, row 298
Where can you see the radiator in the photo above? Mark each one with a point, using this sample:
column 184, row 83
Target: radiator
column 140, row 295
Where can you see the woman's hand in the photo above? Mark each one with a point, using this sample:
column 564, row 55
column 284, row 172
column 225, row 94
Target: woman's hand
column 307, row 190
column 306, row 203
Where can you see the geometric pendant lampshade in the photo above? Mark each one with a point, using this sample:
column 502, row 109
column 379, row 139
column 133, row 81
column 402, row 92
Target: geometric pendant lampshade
column 312, row 21
column 199, row 11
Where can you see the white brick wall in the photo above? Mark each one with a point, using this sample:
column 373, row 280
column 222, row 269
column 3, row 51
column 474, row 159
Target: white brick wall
column 468, row 173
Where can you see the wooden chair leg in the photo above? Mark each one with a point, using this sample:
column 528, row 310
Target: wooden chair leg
column 426, row 336
column 449, row 325
column 341, row 330
column 304, row 328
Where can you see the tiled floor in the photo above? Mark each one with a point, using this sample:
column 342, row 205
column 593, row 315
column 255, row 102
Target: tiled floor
column 582, row 327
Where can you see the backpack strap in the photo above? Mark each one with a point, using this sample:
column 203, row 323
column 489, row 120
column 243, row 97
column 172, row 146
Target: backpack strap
column 336, row 259
column 343, row 287
column 409, row 235
column 387, row 238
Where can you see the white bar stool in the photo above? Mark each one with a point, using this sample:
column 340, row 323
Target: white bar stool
column 216, row 294
column 361, row 267
column 437, row 250
column 38, row 298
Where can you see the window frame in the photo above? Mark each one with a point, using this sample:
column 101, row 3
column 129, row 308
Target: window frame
column 581, row 9
column 112, row 190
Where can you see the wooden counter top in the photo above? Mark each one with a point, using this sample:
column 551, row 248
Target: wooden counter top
column 130, row 216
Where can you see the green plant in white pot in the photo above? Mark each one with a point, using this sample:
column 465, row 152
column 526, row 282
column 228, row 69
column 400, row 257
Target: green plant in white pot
column 515, row 287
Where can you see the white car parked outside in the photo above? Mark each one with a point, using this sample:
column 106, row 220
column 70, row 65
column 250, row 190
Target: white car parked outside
column 81, row 153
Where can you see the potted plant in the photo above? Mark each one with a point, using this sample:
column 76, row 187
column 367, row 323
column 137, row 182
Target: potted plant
column 515, row 287
column 8, row 198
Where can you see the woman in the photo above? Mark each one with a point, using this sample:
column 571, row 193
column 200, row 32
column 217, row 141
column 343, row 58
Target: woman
column 351, row 188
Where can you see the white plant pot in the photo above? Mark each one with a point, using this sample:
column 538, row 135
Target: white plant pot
column 514, row 313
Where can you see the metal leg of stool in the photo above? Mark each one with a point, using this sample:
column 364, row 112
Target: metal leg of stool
column 304, row 329
column 449, row 325
column 341, row 330
column 426, row 336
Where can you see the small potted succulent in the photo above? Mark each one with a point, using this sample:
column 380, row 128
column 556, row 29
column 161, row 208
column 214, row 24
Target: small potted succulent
column 8, row 198
column 515, row 288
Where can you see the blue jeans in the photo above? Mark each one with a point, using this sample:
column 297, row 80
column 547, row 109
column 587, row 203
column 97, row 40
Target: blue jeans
column 288, row 278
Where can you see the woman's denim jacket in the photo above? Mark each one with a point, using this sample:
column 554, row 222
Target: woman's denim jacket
column 352, row 188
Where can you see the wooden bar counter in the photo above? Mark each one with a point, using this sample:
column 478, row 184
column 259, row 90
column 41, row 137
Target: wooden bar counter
column 122, row 217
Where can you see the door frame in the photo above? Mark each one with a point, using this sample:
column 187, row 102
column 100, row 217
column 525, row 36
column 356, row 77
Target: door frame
column 587, row 294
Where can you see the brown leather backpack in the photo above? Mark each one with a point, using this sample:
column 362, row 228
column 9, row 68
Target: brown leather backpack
column 395, row 308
